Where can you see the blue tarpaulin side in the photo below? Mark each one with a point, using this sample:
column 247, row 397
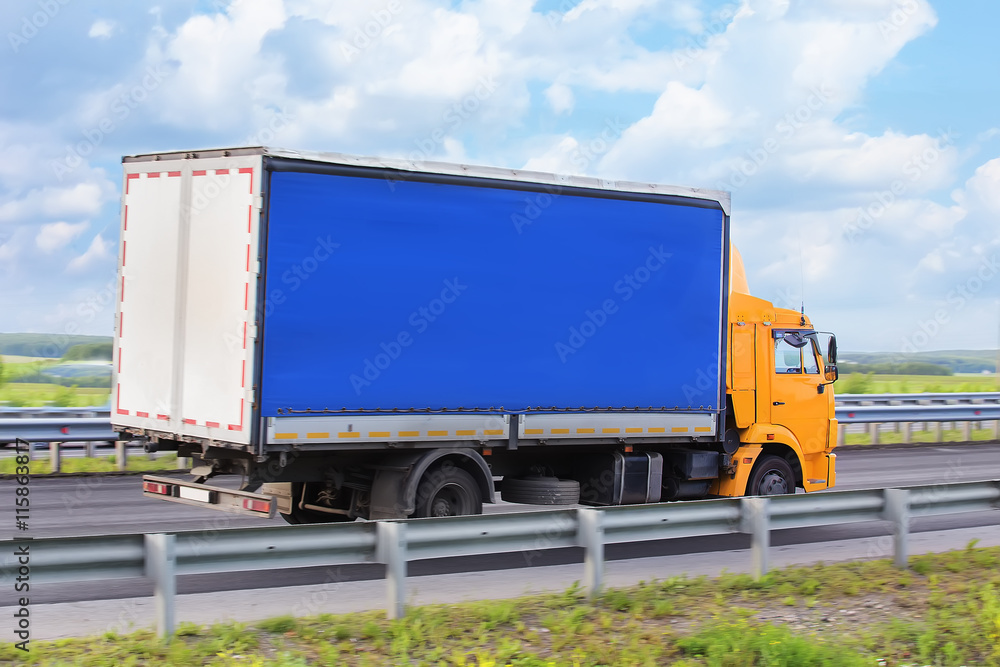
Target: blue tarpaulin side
column 403, row 294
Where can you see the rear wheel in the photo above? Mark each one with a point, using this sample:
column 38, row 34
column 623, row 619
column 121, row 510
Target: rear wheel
column 540, row 490
column 448, row 491
column 302, row 515
column 771, row 476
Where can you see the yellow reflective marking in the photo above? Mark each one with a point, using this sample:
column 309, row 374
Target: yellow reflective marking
column 584, row 430
column 611, row 430
column 379, row 434
column 409, row 434
column 286, row 436
column 534, row 431
column 349, row 434
column 437, row 432
column 703, row 428
column 493, row 431
column 632, row 429
column 317, row 435
column 679, row 429
column 471, row 432
column 657, row 429
column 562, row 431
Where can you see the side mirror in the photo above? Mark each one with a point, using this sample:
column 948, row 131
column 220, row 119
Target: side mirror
column 832, row 374
column 831, row 351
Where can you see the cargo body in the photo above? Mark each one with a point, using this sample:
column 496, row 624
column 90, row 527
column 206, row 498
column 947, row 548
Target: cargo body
column 345, row 330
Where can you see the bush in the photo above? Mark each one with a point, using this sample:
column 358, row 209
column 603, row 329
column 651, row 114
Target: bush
column 856, row 383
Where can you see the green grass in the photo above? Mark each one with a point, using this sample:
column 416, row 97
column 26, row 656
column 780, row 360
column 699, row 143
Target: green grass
column 926, row 436
column 944, row 611
column 28, row 394
column 856, row 383
column 20, row 359
column 135, row 463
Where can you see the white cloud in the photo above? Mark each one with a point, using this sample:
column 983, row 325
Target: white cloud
column 56, row 235
column 560, row 98
column 80, row 200
column 96, row 254
column 102, row 29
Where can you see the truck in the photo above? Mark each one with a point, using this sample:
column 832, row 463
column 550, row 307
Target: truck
column 347, row 338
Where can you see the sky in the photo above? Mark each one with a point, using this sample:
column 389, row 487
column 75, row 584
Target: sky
column 860, row 139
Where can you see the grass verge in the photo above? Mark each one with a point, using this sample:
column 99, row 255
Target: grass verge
column 134, row 463
column 35, row 394
column 944, row 611
column 886, row 437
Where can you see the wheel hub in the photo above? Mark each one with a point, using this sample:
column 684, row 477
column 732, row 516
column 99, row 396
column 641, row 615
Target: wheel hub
column 773, row 484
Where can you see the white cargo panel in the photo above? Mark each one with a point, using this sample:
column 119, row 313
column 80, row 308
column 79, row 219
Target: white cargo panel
column 188, row 274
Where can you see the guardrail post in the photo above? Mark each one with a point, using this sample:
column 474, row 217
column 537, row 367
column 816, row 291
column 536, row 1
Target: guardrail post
column 391, row 550
column 966, row 431
column 938, row 434
column 907, row 433
column 88, row 449
column 756, row 520
column 55, row 457
column 841, row 434
column 121, row 454
column 897, row 510
column 161, row 567
column 996, row 429
column 873, row 432
column 590, row 533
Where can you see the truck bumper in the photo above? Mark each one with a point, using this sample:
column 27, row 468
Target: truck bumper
column 203, row 495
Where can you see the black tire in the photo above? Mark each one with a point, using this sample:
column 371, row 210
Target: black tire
column 771, row 476
column 540, row 490
column 448, row 490
column 300, row 515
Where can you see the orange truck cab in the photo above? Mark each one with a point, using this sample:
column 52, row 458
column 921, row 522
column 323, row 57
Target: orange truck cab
column 781, row 400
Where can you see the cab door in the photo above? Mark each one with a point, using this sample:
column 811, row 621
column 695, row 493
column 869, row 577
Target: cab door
column 799, row 399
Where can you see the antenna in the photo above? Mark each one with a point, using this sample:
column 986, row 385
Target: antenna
column 802, row 279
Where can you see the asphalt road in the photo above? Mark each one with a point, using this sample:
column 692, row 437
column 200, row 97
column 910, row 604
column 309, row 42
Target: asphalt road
column 104, row 505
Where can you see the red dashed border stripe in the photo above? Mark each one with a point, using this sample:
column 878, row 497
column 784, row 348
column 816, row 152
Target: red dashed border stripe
column 246, row 292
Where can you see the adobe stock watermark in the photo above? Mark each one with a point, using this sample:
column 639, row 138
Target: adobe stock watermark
column 957, row 298
column 293, row 278
column 627, row 287
column 915, row 168
column 33, row 24
column 453, row 117
column 118, row 112
column 371, row 31
column 902, row 12
column 786, row 128
column 582, row 156
column 419, row 320
column 696, row 44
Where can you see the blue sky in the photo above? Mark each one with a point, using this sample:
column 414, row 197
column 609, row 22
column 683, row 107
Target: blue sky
column 860, row 138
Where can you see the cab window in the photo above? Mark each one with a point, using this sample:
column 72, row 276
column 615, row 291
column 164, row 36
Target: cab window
column 809, row 354
column 787, row 359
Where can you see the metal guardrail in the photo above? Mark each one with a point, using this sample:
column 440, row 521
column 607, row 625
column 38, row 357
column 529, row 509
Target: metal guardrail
column 880, row 414
column 50, row 429
column 162, row 557
column 926, row 398
column 64, row 425
column 919, row 399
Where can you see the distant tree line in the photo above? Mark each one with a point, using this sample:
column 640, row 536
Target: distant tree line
column 90, row 352
column 52, row 346
column 894, row 368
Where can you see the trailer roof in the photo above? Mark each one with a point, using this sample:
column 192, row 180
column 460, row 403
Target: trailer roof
column 500, row 173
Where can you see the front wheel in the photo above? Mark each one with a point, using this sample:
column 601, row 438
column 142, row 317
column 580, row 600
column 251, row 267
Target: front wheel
column 448, row 491
column 771, row 476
